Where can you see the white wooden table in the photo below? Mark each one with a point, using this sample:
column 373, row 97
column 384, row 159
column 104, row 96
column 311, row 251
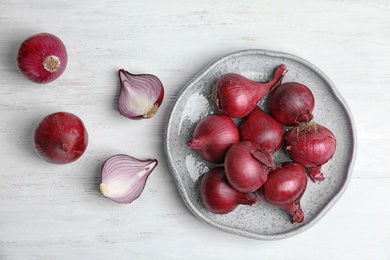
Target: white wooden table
column 57, row 212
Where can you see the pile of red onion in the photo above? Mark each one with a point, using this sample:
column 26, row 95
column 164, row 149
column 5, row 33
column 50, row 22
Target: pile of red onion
column 243, row 153
column 240, row 139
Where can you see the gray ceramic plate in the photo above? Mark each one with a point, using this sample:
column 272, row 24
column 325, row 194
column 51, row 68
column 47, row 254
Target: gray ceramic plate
column 260, row 221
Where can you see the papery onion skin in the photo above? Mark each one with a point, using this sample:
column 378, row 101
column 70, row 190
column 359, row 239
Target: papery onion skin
column 218, row 196
column 140, row 95
column 285, row 187
column 124, row 177
column 236, row 95
column 213, row 136
column 292, row 103
column 311, row 145
column 262, row 129
column 247, row 166
column 60, row 138
column 42, row 58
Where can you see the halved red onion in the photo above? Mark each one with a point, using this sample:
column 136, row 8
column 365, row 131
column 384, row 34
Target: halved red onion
column 140, row 95
column 124, row 177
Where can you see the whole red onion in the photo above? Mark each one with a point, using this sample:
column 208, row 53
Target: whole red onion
column 213, row 136
column 292, row 103
column 247, row 166
column 42, row 58
column 218, row 196
column 237, row 96
column 262, row 129
column 311, row 145
column 60, row 138
column 285, row 187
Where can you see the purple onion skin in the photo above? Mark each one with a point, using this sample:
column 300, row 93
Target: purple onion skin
column 262, row 129
column 247, row 166
column 311, row 145
column 292, row 103
column 213, row 136
column 60, row 138
column 236, row 95
column 32, row 56
column 218, row 196
column 285, row 187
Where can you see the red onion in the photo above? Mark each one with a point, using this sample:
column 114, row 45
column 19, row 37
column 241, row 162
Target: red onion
column 60, row 138
column 218, row 196
column 292, row 103
column 42, row 58
column 140, row 95
column 285, row 187
column 213, row 136
column 247, row 166
column 262, row 129
column 311, row 145
column 237, row 96
column 124, row 177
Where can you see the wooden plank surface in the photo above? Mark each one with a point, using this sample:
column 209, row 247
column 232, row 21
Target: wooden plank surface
column 57, row 212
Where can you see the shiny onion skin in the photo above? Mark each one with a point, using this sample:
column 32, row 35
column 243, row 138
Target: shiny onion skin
column 247, row 166
column 218, row 196
column 292, row 103
column 285, row 187
column 311, row 145
column 60, row 138
column 42, row 58
column 213, row 136
column 236, row 95
column 262, row 129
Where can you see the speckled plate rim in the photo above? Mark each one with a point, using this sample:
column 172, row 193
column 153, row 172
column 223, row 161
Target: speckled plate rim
column 180, row 185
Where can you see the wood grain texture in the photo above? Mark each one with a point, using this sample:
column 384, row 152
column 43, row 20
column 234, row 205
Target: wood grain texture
column 57, row 212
